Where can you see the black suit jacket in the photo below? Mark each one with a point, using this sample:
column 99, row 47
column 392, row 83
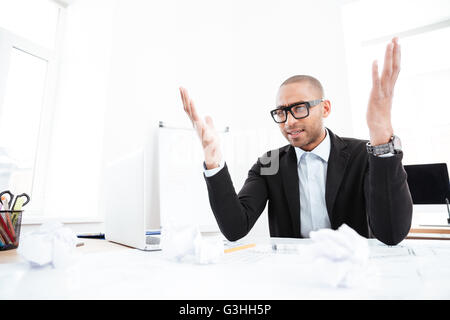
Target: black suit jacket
column 370, row 194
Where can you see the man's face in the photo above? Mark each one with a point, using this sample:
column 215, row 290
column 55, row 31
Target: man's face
column 304, row 133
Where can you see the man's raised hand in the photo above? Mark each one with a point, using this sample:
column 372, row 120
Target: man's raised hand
column 380, row 102
column 205, row 131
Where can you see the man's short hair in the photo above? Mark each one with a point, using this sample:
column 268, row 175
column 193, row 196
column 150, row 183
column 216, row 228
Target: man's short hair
column 311, row 80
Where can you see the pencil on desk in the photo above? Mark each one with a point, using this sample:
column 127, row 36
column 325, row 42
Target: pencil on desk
column 245, row 246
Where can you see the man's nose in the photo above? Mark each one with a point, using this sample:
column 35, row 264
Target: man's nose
column 290, row 120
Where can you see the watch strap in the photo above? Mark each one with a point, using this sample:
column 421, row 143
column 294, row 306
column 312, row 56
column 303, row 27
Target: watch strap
column 382, row 149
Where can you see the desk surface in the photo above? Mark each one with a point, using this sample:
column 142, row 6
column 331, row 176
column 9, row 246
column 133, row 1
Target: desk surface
column 88, row 246
column 415, row 269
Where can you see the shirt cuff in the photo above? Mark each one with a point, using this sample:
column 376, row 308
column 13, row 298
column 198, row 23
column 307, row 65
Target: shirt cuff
column 386, row 155
column 211, row 172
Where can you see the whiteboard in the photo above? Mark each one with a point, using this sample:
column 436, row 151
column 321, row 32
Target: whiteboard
column 183, row 192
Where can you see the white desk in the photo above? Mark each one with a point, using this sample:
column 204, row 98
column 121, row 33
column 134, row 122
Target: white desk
column 416, row 269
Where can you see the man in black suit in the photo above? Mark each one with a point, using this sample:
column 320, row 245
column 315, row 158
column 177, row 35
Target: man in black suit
column 319, row 180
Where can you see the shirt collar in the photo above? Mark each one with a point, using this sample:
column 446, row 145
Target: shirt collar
column 322, row 150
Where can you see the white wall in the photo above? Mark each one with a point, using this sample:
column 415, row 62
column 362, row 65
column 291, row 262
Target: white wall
column 232, row 56
column 75, row 160
column 425, row 70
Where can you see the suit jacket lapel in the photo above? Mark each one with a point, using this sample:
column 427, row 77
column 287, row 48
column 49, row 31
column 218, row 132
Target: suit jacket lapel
column 337, row 164
column 289, row 173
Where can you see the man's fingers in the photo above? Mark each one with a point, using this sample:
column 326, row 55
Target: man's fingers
column 396, row 60
column 183, row 99
column 387, row 68
column 189, row 106
column 375, row 74
column 205, row 129
column 396, row 54
column 193, row 111
column 187, row 103
column 209, row 122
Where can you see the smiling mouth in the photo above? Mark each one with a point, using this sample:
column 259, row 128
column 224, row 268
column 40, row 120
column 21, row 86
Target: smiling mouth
column 295, row 133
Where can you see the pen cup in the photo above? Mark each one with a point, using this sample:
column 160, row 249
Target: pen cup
column 9, row 237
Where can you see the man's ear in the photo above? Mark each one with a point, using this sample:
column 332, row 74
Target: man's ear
column 326, row 108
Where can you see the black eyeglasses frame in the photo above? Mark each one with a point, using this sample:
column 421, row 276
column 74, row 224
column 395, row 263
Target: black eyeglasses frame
column 308, row 104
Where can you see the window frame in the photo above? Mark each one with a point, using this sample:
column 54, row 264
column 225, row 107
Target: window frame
column 8, row 42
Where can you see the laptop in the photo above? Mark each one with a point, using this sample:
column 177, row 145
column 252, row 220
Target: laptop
column 125, row 204
column 430, row 189
column 428, row 183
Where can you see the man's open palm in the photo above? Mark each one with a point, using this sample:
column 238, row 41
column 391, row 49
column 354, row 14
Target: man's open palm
column 205, row 131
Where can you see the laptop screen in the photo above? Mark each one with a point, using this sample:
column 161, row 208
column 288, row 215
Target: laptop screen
column 428, row 183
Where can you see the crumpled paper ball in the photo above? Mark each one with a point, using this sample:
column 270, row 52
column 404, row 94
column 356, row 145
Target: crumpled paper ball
column 209, row 249
column 339, row 257
column 184, row 243
column 51, row 243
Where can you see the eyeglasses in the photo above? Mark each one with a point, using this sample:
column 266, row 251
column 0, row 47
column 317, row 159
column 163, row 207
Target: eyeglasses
column 298, row 110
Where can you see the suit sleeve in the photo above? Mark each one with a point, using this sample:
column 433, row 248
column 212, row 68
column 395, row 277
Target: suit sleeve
column 388, row 200
column 237, row 213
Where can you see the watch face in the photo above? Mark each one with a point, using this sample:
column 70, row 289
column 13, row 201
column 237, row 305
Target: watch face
column 397, row 143
column 391, row 147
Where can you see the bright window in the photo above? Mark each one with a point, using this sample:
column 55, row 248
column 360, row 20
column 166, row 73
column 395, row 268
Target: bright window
column 20, row 119
column 28, row 64
column 421, row 111
column 34, row 20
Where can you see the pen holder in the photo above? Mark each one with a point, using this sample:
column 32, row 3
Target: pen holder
column 9, row 237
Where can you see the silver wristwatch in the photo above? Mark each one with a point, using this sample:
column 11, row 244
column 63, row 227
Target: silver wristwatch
column 393, row 146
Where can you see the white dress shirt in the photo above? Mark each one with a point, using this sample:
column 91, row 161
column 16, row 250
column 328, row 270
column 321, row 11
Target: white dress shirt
column 312, row 176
